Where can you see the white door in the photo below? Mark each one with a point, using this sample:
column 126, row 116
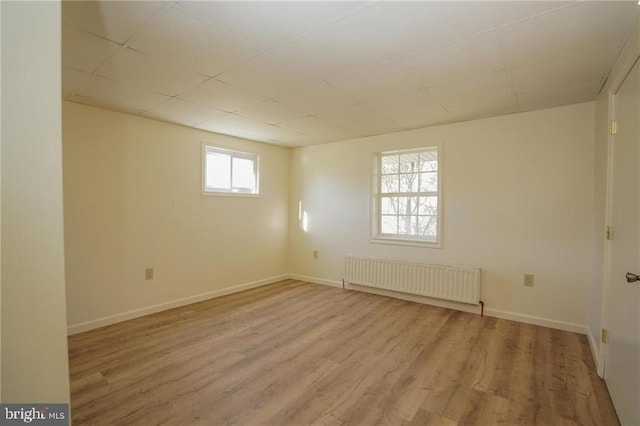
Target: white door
column 622, row 302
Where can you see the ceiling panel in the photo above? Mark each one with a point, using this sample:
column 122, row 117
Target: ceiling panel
column 108, row 93
column 297, row 73
column 459, row 60
column 113, row 20
column 378, row 82
column 193, row 43
column 578, row 27
column 411, row 110
column 456, row 92
column 508, row 12
column 420, row 25
column 244, row 127
column 347, row 47
column 488, row 106
column 184, row 112
column 556, row 96
column 267, row 76
column 315, row 126
column 220, row 95
column 317, row 96
column 582, row 66
column 152, row 73
column 265, row 24
column 85, row 51
column 271, row 112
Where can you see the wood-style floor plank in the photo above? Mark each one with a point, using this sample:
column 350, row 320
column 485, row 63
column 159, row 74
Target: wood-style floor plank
column 295, row 353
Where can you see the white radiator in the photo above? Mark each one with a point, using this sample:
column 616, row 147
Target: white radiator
column 456, row 283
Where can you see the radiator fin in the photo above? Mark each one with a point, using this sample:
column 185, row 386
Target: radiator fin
column 455, row 283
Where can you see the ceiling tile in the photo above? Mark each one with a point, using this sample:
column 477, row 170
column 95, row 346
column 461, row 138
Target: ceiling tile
column 359, row 118
column 495, row 83
column 461, row 59
column 560, row 95
column 271, row 112
column 488, row 106
column 113, row 20
column 401, row 27
column 232, row 124
column 195, row 44
column 350, row 6
column 104, row 104
column 578, row 67
column 220, row 95
column 412, row 110
column 319, row 128
column 108, row 93
column 184, row 112
column 383, row 81
column 331, row 50
column 267, row 76
column 506, row 12
column 85, row 51
column 148, row 72
column 265, row 24
column 316, row 97
column 581, row 26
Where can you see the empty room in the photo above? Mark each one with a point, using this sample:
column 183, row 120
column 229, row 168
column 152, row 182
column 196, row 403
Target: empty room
column 320, row 212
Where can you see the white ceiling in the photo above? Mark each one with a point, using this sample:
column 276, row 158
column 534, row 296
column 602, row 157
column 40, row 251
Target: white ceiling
column 302, row 73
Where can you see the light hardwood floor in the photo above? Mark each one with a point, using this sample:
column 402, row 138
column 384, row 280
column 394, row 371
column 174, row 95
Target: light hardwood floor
column 295, row 353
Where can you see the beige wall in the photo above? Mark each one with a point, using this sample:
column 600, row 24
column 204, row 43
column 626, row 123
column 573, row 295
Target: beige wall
column 132, row 189
column 34, row 344
column 623, row 64
column 518, row 198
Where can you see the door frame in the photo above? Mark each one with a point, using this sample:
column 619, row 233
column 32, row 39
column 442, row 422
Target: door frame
column 613, row 90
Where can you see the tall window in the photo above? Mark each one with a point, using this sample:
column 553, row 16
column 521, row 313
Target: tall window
column 231, row 172
column 407, row 197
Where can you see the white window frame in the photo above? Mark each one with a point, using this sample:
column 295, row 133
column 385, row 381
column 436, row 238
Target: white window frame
column 233, row 191
column 398, row 239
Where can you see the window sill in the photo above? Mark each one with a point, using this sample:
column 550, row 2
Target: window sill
column 229, row 194
column 405, row 242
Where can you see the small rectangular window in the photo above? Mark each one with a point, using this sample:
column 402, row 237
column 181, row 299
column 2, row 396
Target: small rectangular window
column 406, row 200
column 229, row 172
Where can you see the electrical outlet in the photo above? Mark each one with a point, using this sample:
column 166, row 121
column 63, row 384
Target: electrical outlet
column 315, row 254
column 528, row 280
column 148, row 274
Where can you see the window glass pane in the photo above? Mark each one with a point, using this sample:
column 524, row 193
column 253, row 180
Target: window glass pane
column 407, row 225
column 428, row 161
column 243, row 174
column 409, row 163
column 428, row 206
column 389, row 183
column 218, row 170
column 389, row 205
column 389, row 224
column 389, row 164
column 408, row 205
column 428, row 226
column 409, row 182
column 429, row 182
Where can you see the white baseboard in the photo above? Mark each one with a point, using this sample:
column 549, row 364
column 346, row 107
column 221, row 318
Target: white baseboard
column 595, row 351
column 123, row 316
column 513, row 316
column 332, row 283
column 544, row 322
